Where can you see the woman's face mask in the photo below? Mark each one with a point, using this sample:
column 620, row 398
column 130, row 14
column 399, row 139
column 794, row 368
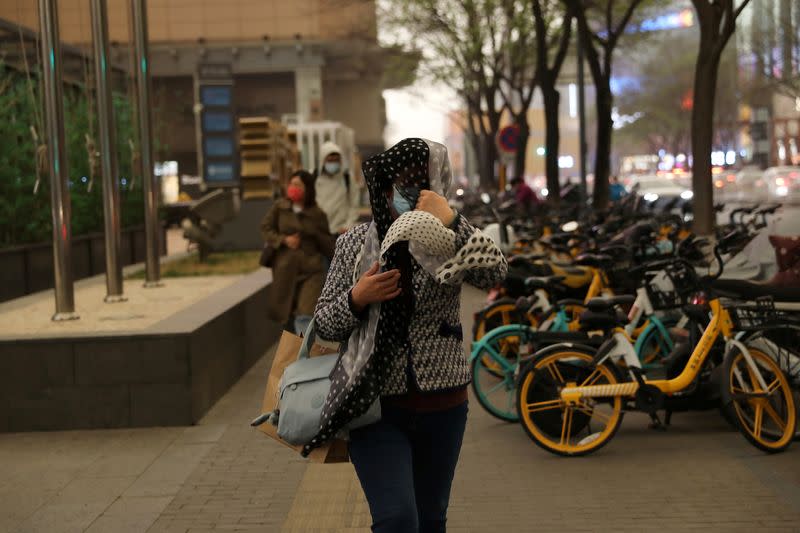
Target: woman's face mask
column 405, row 199
column 332, row 167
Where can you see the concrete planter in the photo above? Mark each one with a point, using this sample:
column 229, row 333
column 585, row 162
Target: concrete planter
column 169, row 374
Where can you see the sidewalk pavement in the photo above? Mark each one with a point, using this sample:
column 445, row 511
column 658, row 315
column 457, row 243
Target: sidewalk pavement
column 222, row 475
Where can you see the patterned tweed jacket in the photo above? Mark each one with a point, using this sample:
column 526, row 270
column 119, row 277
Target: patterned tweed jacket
column 437, row 361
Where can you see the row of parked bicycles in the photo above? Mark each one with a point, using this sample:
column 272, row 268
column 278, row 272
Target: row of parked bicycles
column 632, row 312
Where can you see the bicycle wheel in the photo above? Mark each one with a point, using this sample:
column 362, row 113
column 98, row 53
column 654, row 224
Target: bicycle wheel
column 787, row 359
column 495, row 385
column 501, row 313
column 553, row 424
column 765, row 411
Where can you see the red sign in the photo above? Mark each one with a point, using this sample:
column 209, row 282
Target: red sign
column 508, row 139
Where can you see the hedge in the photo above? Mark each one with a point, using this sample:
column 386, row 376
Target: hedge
column 25, row 216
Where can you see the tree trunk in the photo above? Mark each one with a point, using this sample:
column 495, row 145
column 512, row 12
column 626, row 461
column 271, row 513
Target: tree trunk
column 788, row 35
column 602, row 156
column 521, row 156
column 552, row 139
column 705, row 84
column 487, row 158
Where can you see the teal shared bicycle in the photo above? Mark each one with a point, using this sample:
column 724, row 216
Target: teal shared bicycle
column 496, row 358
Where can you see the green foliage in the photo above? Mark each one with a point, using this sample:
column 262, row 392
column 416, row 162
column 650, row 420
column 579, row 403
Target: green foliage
column 24, row 216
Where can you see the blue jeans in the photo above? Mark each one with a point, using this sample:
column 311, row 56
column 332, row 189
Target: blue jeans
column 406, row 464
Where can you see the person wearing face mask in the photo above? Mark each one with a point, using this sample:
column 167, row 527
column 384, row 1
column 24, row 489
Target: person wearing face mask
column 395, row 309
column 337, row 194
column 297, row 229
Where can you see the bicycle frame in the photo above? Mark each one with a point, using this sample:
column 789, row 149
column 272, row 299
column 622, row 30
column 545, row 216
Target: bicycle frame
column 643, row 308
column 720, row 324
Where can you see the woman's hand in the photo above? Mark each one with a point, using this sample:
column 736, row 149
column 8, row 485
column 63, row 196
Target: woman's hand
column 292, row 241
column 374, row 287
column 435, row 205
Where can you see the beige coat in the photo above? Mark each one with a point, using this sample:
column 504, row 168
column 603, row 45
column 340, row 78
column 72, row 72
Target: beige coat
column 297, row 275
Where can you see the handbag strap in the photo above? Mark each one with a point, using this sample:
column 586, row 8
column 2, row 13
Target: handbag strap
column 308, row 341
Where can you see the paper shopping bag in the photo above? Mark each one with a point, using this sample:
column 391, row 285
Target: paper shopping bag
column 334, row 451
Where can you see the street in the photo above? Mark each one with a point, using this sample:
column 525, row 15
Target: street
column 222, row 475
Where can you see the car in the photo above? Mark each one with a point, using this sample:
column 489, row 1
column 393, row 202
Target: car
column 746, row 185
column 658, row 190
column 783, row 184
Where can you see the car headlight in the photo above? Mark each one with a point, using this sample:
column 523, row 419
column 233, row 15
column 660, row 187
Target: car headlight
column 687, row 195
column 651, row 197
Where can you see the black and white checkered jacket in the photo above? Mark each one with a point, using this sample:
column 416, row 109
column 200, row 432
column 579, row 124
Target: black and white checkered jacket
column 437, row 361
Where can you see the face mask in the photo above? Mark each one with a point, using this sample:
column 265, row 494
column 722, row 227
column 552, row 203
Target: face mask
column 405, row 200
column 332, row 168
column 295, row 194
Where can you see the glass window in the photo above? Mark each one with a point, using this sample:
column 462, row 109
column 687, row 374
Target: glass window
column 217, row 121
column 219, row 172
column 216, row 95
column 218, row 146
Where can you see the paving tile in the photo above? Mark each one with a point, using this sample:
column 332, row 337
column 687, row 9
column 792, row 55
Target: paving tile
column 135, row 514
column 65, row 517
column 221, row 475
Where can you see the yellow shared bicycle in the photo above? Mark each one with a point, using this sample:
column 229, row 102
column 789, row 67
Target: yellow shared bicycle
column 571, row 399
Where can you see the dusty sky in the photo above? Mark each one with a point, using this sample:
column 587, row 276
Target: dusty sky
column 416, row 111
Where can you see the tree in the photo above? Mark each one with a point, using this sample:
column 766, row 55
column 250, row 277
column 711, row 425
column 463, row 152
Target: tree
column 779, row 29
column 553, row 33
column 717, row 21
column 601, row 23
column 658, row 109
column 519, row 77
column 463, row 47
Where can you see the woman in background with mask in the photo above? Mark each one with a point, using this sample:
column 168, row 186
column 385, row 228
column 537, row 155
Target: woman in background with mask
column 402, row 338
column 298, row 231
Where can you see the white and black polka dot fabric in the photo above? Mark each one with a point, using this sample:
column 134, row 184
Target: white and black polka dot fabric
column 404, row 338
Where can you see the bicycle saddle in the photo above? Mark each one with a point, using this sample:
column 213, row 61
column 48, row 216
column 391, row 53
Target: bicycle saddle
column 569, row 301
column 527, row 258
column 594, row 260
column 605, row 320
column 559, row 238
column 604, row 304
column 544, row 282
column 750, row 290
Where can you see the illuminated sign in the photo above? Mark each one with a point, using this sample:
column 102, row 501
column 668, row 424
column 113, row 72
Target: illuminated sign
column 673, row 21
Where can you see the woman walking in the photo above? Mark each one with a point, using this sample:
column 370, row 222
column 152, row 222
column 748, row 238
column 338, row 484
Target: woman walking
column 298, row 231
column 392, row 298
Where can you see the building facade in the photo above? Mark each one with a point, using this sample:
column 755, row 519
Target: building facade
column 316, row 59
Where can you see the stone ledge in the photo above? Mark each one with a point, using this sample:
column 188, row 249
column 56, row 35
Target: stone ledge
column 168, row 374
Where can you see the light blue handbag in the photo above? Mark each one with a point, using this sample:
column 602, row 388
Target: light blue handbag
column 303, row 390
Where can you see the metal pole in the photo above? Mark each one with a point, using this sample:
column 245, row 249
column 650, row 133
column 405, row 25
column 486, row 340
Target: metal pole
column 142, row 66
column 582, row 122
column 108, row 151
column 57, row 161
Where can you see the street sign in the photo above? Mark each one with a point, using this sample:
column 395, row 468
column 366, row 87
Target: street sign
column 508, row 139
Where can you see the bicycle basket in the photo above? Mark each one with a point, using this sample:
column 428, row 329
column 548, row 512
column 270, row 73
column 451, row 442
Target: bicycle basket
column 670, row 288
column 782, row 343
column 754, row 317
column 665, row 300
